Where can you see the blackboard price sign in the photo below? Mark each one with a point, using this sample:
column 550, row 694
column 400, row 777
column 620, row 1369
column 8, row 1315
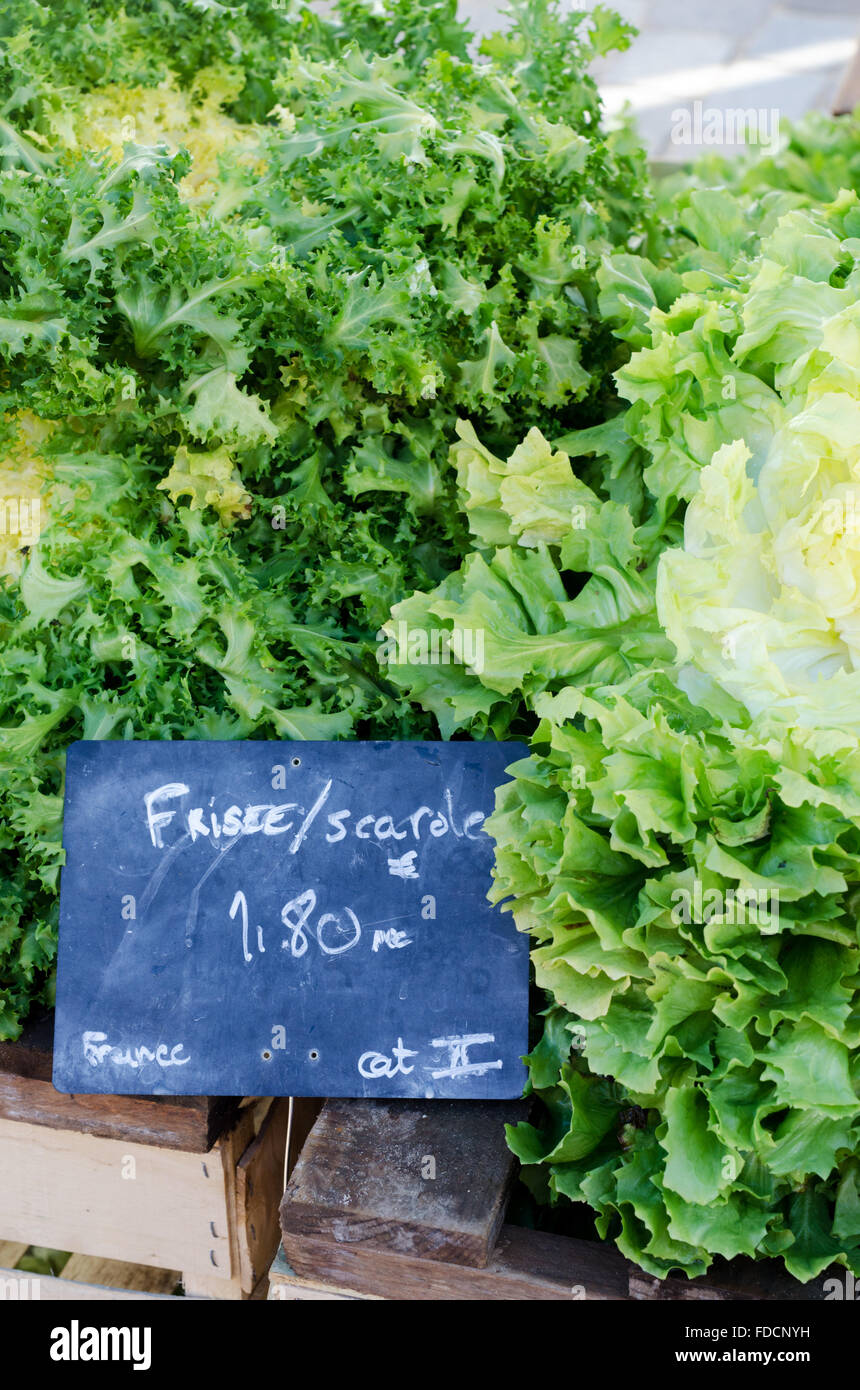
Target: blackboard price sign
column 286, row 919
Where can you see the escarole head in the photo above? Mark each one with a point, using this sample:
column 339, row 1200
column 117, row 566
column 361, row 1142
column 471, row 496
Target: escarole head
column 764, row 596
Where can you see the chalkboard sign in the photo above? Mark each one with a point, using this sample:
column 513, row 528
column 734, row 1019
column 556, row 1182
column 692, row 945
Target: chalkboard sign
column 270, row 918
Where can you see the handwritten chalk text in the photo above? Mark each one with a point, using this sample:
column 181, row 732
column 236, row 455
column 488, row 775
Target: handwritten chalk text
column 281, row 818
column 373, row 1064
column 98, row 1050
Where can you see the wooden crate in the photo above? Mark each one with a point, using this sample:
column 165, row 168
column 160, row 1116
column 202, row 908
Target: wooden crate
column 183, row 1187
column 365, row 1214
column 210, row 1219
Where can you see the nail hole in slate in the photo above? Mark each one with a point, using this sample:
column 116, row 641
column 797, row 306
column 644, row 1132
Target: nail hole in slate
column 313, row 1054
column 296, row 762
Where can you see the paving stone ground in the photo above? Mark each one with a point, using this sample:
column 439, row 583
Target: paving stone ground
column 733, row 66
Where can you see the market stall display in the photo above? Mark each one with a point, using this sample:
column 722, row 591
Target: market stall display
column 356, row 383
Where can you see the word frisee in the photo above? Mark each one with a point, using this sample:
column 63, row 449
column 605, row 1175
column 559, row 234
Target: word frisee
column 271, row 818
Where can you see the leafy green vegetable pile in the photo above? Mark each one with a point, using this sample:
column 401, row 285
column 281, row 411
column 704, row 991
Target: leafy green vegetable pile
column 254, row 264
column 313, row 332
column 683, row 841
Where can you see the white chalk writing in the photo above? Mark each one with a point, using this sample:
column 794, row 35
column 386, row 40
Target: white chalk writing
column 271, row 819
column 373, row 1065
column 376, row 1064
column 98, row 1051
column 458, row 1055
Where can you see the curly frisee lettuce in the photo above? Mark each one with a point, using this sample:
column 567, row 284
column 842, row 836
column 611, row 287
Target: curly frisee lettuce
column 254, row 263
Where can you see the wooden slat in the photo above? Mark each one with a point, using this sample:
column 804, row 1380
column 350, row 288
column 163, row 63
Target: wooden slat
column 197, row 1285
column 26, row 1093
column 848, row 95
column 306, row 1112
column 525, row 1265
column 259, row 1188
column 11, row 1252
column 139, row 1119
column 363, row 1177
column 735, row 1280
column 231, row 1149
column 67, row 1191
column 287, row 1286
column 52, row 1290
column 528, row 1265
column 224, row 1290
column 300, row 1291
column 118, row 1274
column 260, row 1184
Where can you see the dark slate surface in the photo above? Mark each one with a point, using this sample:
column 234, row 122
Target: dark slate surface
column 336, row 849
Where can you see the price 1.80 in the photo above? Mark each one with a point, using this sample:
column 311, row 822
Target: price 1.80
column 333, row 932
